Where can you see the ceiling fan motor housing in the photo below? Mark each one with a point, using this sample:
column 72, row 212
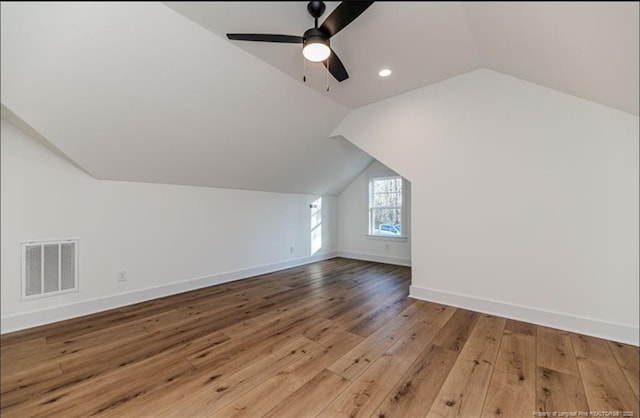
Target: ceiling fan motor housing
column 314, row 36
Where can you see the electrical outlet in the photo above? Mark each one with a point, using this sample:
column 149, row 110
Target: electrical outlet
column 292, row 249
column 122, row 276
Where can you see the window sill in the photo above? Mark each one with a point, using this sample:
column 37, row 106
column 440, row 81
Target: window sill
column 386, row 238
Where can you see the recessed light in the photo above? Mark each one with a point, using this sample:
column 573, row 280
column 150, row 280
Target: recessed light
column 385, row 72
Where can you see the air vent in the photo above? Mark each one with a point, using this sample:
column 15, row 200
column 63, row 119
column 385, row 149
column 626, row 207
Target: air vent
column 49, row 268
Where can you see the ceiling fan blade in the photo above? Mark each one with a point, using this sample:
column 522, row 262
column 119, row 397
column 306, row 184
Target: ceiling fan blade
column 335, row 66
column 344, row 14
column 265, row 37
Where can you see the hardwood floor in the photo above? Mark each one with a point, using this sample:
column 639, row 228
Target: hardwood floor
column 335, row 338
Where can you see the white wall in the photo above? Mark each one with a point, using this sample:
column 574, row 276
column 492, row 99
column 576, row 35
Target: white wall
column 525, row 199
column 168, row 238
column 353, row 218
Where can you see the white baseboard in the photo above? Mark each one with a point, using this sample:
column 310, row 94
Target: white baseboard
column 73, row 310
column 624, row 333
column 400, row 261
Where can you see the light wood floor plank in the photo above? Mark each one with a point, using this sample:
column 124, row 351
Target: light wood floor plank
column 364, row 354
column 512, row 389
column 278, row 387
column 559, row 392
column 334, row 338
column 361, row 398
column 311, row 398
column 413, row 342
column 558, row 384
column 464, row 390
column 457, row 330
column 628, row 359
column 555, row 351
column 414, row 393
column 605, row 384
column 212, row 389
column 518, row 327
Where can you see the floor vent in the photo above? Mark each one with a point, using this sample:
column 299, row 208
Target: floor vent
column 49, row 268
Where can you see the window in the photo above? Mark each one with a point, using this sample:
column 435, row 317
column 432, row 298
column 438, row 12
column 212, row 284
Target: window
column 386, row 211
column 316, row 225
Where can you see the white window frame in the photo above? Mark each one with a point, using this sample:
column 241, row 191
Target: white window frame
column 316, row 224
column 403, row 209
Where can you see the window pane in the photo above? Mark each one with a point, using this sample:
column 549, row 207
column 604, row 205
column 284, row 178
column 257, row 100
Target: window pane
column 387, row 221
column 394, row 199
column 379, row 186
column 380, row 199
column 316, row 213
column 316, row 225
column 385, row 204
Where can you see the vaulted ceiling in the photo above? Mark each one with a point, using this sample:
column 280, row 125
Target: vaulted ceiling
column 155, row 92
column 589, row 49
column 137, row 92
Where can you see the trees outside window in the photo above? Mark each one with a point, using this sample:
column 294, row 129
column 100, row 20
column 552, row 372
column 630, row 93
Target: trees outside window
column 386, row 206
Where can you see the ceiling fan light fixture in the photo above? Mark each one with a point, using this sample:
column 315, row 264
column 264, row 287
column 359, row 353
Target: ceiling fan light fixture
column 315, row 46
column 316, row 52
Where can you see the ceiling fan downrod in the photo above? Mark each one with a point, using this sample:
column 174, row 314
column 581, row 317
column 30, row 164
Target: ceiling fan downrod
column 316, row 9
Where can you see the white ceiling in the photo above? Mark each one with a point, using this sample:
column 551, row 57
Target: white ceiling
column 139, row 92
column 136, row 92
column 589, row 50
column 423, row 42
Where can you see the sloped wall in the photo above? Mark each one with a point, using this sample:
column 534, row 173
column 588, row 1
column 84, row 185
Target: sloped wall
column 168, row 238
column 524, row 199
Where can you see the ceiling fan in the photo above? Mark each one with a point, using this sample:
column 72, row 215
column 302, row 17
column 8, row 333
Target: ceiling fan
column 316, row 40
